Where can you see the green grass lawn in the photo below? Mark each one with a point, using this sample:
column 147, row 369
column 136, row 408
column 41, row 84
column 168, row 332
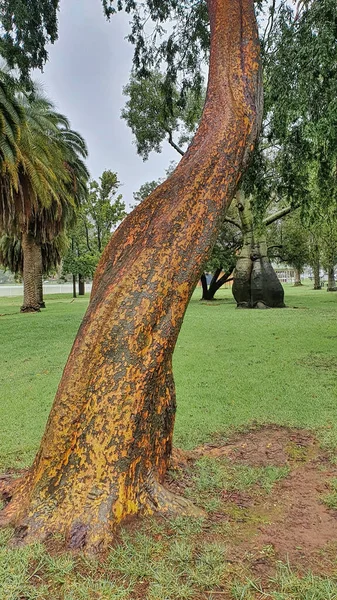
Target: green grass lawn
column 231, row 367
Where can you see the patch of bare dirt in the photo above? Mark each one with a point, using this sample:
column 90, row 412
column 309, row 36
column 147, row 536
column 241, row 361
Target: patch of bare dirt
column 290, row 523
column 270, row 445
column 304, row 524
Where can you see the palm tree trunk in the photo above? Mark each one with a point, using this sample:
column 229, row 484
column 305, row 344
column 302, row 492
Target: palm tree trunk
column 108, row 440
column 39, row 281
column 31, row 270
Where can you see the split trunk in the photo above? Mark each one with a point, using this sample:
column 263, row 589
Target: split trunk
column 108, row 440
column 218, row 280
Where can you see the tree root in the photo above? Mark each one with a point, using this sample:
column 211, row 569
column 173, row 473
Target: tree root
column 161, row 501
column 88, row 531
column 182, row 458
column 8, row 485
column 30, row 309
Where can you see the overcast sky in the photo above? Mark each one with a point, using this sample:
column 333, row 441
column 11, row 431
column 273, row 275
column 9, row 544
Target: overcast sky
column 87, row 69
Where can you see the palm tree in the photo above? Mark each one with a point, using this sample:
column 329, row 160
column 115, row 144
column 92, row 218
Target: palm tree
column 12, row 118
column 11, row 256
column 42, row 193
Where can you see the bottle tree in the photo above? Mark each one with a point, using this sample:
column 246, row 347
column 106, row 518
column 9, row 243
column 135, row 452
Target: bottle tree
column 108, row 440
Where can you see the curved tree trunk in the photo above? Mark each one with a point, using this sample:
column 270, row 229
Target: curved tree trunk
column 108, row 440
column 331, row 280
column 255, row 284
column 208, row 292
column 32, row 261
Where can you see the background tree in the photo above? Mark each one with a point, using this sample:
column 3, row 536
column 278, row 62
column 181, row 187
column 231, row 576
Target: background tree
column 97, row 218
column 11, row 257
column 294, row 242
column 145, row 190
column 41, row 191
column 26, row 29
column 104, row 208
column 222, row 260
column 327, row 227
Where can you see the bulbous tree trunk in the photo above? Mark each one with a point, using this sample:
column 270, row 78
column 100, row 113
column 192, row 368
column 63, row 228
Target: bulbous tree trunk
column 108, row 440
column 331, row 280
column 31, row 270
column 255, row 284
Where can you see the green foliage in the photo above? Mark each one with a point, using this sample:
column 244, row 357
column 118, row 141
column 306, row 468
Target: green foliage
column 97, row 217
column 145, row 190
column 103, row 206
column 301, row 94
column 225, row 249
column 152, row 120
column 40, row 191
column 169, row 36
column 26, row 29
column 11, row 120
column 293, row 241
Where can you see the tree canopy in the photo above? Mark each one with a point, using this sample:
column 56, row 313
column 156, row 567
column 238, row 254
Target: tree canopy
column 27, row 27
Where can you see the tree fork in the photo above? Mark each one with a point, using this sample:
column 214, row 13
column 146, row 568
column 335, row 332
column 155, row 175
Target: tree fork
column 108, row 440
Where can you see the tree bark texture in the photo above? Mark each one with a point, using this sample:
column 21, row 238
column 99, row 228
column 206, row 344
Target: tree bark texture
column 108, row 440
column 39, row 281
column 297, row 281
column 317, row 279
column 32, row 265
column 74, row 286
column 81, row 285
column 331, row 280
column 255, row 284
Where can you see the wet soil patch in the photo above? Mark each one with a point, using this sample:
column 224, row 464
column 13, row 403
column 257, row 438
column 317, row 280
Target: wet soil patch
column 291, row 522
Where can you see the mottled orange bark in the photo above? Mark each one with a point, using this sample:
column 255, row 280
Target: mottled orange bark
column 108, row 440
